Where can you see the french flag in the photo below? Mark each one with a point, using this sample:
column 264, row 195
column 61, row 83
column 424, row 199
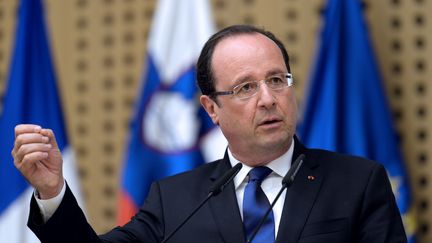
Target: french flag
column 170, row 132
column 31, row 97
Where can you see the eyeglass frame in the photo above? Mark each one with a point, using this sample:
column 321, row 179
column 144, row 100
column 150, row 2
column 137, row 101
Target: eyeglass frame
column 288, row 76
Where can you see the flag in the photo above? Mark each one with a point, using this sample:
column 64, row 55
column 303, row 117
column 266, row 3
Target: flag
column 170, row 128
column 346, row 110
column 30, row 97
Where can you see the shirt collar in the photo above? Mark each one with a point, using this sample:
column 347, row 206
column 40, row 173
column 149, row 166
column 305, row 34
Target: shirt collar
column 279, row 166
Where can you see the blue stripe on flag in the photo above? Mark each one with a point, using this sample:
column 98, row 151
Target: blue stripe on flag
column 31, row 95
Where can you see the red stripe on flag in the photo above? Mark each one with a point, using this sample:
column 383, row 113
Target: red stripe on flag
column 127, row 208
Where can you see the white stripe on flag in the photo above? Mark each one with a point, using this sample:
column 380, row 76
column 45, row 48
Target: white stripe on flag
column 174, row 44
column 213, row 145
column 71, row 175
column 13, row 221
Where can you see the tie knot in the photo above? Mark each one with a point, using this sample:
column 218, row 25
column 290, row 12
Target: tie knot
column 259, row 173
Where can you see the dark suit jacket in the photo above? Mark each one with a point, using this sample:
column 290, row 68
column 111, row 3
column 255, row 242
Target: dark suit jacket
column 349, row 200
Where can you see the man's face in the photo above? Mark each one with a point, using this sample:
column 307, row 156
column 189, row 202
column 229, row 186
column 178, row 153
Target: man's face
column 260, row 128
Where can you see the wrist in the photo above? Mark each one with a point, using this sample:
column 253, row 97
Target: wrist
column 48, row 193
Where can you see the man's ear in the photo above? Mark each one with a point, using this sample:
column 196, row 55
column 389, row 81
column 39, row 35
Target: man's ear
column 210, row 106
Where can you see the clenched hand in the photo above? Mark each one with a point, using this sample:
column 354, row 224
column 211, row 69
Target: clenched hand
column 38, row 158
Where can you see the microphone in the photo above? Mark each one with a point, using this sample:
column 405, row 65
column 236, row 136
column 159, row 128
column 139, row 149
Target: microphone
column 286, row 182
column 223, row 181
column 217, row 188
column 291, row 174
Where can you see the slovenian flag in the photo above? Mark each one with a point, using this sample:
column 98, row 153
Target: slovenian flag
column 170, row 128
column 346, row 109
column 31, row 97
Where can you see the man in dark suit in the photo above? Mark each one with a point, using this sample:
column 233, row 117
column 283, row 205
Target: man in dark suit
column 247, row 89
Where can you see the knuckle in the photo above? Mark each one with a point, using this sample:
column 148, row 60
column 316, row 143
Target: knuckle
column 18, row 166
column 29, row 158
column 18, row 128
column 17, row 157
column 50, row 132
column 24, row 160
column 18, row 140
column 23, row 149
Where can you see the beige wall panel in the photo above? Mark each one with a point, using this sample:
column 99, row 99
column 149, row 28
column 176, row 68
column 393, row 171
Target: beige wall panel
column 99, row 47
column 7, row 28
column 401, row 34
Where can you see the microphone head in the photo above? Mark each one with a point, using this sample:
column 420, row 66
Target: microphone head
column 295, row 167
column 220, row 183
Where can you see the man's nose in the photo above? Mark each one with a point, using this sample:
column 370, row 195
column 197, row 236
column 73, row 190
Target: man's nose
column 266, row 96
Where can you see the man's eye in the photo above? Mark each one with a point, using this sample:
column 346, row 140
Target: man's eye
column 275, row 80
column 247, row 87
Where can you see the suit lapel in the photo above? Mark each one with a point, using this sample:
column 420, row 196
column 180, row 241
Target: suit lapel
column 300, row 197
column 228, row 221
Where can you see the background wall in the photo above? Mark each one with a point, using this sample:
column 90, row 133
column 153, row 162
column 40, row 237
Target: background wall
column 99, row 48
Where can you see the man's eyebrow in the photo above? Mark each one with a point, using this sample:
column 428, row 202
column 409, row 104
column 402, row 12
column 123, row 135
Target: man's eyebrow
column 274, row 71
column 248, row 78
column 243, row 79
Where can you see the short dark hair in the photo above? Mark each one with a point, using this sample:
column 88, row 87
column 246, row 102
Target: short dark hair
column 205, row 78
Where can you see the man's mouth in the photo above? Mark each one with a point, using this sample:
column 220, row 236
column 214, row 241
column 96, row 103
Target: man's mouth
column 270, row 121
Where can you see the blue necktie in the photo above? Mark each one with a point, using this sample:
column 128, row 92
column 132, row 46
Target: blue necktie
column 255, row 204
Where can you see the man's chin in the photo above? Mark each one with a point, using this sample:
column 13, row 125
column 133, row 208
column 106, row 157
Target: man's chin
column 276, row 141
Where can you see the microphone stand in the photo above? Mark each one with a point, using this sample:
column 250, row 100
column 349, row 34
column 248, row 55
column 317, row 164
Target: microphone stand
column 218, row 187
column 188, row 217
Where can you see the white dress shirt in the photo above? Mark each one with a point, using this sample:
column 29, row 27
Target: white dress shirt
column 48, row 207
column 270, row 185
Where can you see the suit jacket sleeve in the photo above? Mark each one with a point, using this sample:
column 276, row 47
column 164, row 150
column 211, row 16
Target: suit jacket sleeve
column 69, row 225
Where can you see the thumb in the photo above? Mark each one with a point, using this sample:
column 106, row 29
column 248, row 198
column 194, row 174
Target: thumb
column 52, row 140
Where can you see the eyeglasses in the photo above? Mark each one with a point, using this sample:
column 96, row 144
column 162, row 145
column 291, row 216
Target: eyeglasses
column 250, row 88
